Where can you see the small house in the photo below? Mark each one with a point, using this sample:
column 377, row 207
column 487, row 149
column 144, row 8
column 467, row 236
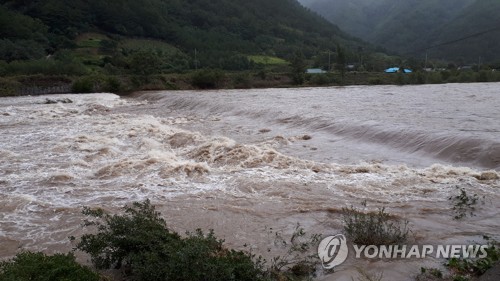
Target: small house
column 315, row 71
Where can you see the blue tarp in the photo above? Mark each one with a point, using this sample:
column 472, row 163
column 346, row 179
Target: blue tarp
column 396, row 69
column 315, row 71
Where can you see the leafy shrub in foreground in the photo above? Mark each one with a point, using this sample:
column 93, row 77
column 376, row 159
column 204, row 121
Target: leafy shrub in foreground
column 29, row 266
column 464, row 204
column 140, row 243
column 476, row 267
column 464, row 268
column 374, row 228
column 300, row 258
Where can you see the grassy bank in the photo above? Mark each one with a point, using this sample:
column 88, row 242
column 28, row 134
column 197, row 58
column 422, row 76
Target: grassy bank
column 38, row 84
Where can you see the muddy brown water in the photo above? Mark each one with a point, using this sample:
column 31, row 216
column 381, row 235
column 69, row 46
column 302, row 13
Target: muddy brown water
column 247, row 163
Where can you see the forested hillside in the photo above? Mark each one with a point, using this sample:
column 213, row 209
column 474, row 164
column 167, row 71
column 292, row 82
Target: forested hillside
column 408, row 27
column 223, row 32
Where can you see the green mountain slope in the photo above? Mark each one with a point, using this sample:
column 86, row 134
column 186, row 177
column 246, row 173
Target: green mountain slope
column 218, row 29
column 410, row 26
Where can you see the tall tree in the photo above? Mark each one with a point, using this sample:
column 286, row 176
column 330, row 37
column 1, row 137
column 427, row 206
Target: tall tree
column 298, row 65
column 341, row 61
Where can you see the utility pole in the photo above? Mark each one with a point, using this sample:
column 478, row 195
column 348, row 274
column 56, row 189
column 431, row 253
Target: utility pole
column 425, row 67
column 195, row 60
column 360, row 52
column 329, row 61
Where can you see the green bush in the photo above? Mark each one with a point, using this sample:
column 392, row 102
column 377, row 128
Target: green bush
column 466, row 77
column 9, row 87
column 300, row 258
column 106, row 83
column 434, row 78
column 374, row 228
column 207, row 79
column 419, row 77
column 3, row 68
column 429, row 274
column 83, row 85
column 112, row 85
column 322, row 79
column 445, row 75
column 29, row 266
column 400, row 79
column 477, row 266
column 463, row 269
column 47, row 67
column 495, row 76
column 464, row 204
column 483, row 76
column 242, row 81
column 140, row 243
column 375, row 81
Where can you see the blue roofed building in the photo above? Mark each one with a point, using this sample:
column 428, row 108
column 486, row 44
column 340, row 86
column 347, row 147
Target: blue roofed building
column 397, row 69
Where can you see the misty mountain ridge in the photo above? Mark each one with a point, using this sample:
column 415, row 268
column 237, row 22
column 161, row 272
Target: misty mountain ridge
column 410, row 27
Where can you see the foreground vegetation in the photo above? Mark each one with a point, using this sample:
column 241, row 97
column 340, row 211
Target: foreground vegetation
column 138, row 245
column 460, row 269
column 28, row 266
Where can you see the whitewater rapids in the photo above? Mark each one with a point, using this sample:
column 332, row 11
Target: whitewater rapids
column 243, row 162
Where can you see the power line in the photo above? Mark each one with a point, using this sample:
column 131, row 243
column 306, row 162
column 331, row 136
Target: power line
column 457, row 40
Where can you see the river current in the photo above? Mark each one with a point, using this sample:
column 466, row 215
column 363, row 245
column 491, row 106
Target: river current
column 243, row 162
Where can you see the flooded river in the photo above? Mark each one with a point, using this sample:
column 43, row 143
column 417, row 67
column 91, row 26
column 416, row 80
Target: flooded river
column 244, row 161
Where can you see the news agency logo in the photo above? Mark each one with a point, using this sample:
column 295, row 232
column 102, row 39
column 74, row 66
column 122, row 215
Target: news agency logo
column 333, row 251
